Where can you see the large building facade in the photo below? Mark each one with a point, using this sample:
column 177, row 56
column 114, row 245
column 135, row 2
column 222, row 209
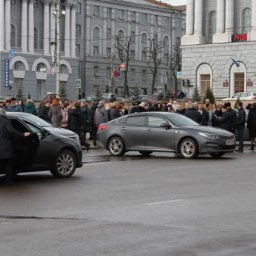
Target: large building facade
column 28, row 28
column 88, row 57
column 219, row 49
column 138, row 19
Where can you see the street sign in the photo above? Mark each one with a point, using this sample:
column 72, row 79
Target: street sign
column 11, row 53
column 78, row 83
column 6, row 72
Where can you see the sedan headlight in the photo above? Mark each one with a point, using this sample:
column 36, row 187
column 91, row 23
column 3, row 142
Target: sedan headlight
column 209, row 136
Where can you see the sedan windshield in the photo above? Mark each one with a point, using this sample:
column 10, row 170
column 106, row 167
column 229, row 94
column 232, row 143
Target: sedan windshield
column 179, row 120
column 38, row 121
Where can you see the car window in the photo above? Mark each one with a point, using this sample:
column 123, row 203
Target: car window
column 155, row 121
column 179, row 120
column 33, row 128
column 18, row 125
column 136, row 120
column 37, row 120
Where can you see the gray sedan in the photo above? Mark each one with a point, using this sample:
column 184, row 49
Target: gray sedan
column 150, row 132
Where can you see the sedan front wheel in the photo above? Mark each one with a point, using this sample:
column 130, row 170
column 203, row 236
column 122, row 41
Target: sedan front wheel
column 188, row 148
column 65, row 165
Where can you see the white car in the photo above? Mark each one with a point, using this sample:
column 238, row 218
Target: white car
column 242, row 96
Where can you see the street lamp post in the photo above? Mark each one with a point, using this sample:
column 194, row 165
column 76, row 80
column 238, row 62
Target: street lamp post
column 56, row 45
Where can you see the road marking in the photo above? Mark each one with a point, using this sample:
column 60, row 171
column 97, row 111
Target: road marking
column 165, row 202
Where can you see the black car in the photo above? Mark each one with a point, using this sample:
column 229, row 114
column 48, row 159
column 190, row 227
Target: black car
column 47, row 148
column 149, row 132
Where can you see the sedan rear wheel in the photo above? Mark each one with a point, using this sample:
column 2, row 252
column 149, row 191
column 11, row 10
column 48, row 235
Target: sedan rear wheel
column 65, row 165
column 116, row 146
column 188, row 148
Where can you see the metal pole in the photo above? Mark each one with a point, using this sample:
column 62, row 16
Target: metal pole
column 57, row 23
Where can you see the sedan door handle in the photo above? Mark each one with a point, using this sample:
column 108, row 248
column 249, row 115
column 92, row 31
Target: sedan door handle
column 123, row 128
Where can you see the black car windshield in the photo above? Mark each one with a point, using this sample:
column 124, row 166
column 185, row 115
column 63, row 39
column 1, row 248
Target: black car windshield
column 38, row 121
column 179, row 120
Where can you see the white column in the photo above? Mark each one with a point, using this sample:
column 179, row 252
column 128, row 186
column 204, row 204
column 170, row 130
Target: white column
column 104, row 43
column 31, row 27
column 73, row 32
column 229, row 16
column 7, row 24
column 46, row 27
column 220, row 16
column 52, row 22
column 190, row 17
column 67, row 40
column 2, row 25
column 219, row 36
column 137, row 39
column 24, row 26
column 252, row 33
column 198, row 17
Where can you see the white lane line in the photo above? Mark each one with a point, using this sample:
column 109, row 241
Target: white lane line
column 165, row 202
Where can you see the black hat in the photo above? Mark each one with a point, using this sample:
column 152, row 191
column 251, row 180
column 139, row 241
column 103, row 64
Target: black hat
column 13, row 99
column 227, row 104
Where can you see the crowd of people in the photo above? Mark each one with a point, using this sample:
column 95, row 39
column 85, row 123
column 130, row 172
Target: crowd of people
column 84, row 117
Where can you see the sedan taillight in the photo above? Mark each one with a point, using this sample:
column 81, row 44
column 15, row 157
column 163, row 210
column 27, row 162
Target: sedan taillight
column 102, row 127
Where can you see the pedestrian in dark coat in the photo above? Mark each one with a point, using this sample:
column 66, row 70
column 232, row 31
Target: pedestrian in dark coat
column 193, row 114
column 241, row 116
column 251, row 125
column 225, row 121
column 7, row 135
column 43, row 111
column 30, row 107
column 115, row 110
column 204, row 114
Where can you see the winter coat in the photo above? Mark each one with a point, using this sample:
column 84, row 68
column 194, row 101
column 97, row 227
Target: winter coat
column 30, row 108
column 225, row 121
column 43, row 112
column 241, row 116
column 76, row 120
column 205, row 117
column 100, row 116
column 114, row 113
column 55, row 116
column 193, row 114
column 64, row 121
column 14, row 108
column 251, row 123
column 7, row 135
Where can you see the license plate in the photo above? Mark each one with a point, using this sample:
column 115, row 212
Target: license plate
column 230, row 142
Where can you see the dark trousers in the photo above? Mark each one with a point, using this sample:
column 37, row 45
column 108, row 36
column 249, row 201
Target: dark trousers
column 240, row 137
column 8, row 165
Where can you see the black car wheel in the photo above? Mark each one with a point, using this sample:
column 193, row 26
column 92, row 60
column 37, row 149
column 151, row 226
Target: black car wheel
column 116, row 146
column 145, row 153
column 188, row 148
column 65, row 165
column 216, row 155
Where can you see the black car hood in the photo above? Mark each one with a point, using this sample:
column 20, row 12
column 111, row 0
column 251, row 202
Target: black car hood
column 61, row 131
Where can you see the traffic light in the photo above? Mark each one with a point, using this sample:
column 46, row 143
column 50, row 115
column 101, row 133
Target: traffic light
column 188, row 83
column 183, row 83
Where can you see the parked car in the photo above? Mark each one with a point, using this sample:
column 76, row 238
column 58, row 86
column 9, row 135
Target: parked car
column 111, row 97
column 150, row 132
column 242, row 96
column 48, row 148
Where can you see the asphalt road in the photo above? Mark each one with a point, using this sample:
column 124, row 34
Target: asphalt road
column 134, row 206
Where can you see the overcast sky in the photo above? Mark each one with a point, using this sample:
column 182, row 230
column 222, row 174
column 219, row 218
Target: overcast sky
column 175, row 2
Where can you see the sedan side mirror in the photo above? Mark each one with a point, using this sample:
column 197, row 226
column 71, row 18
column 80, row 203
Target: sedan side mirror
column 166, row 126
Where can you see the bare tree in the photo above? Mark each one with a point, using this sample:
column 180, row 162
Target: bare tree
column 174, row 63
column 124, row 45
column 154, row 59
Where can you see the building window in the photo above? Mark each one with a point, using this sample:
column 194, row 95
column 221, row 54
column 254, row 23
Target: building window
column 109, row 33
column 246, row 20
column 77, row 50
column 121, row 14
column 13, row 36
column 166, row 21
column 78, row 30
column 166, row 43
column 211, row 25
column 36, row 41
column 96, row 71
column 96, row 10
column 144, row 38
column 144, row 55
column 109, row 53
column 144, row 17
column 13, row 1
column 133, row 36
column 63, row 69
column 96, row 33
column 133, row 16
column 18, row 65
column 205, row 83
column 41, row 67
column 96, row 51
column 121, row 34
column 108, row 72
column 109, row 12
column 132, row 55
column 144, row 75
column 78, row 8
